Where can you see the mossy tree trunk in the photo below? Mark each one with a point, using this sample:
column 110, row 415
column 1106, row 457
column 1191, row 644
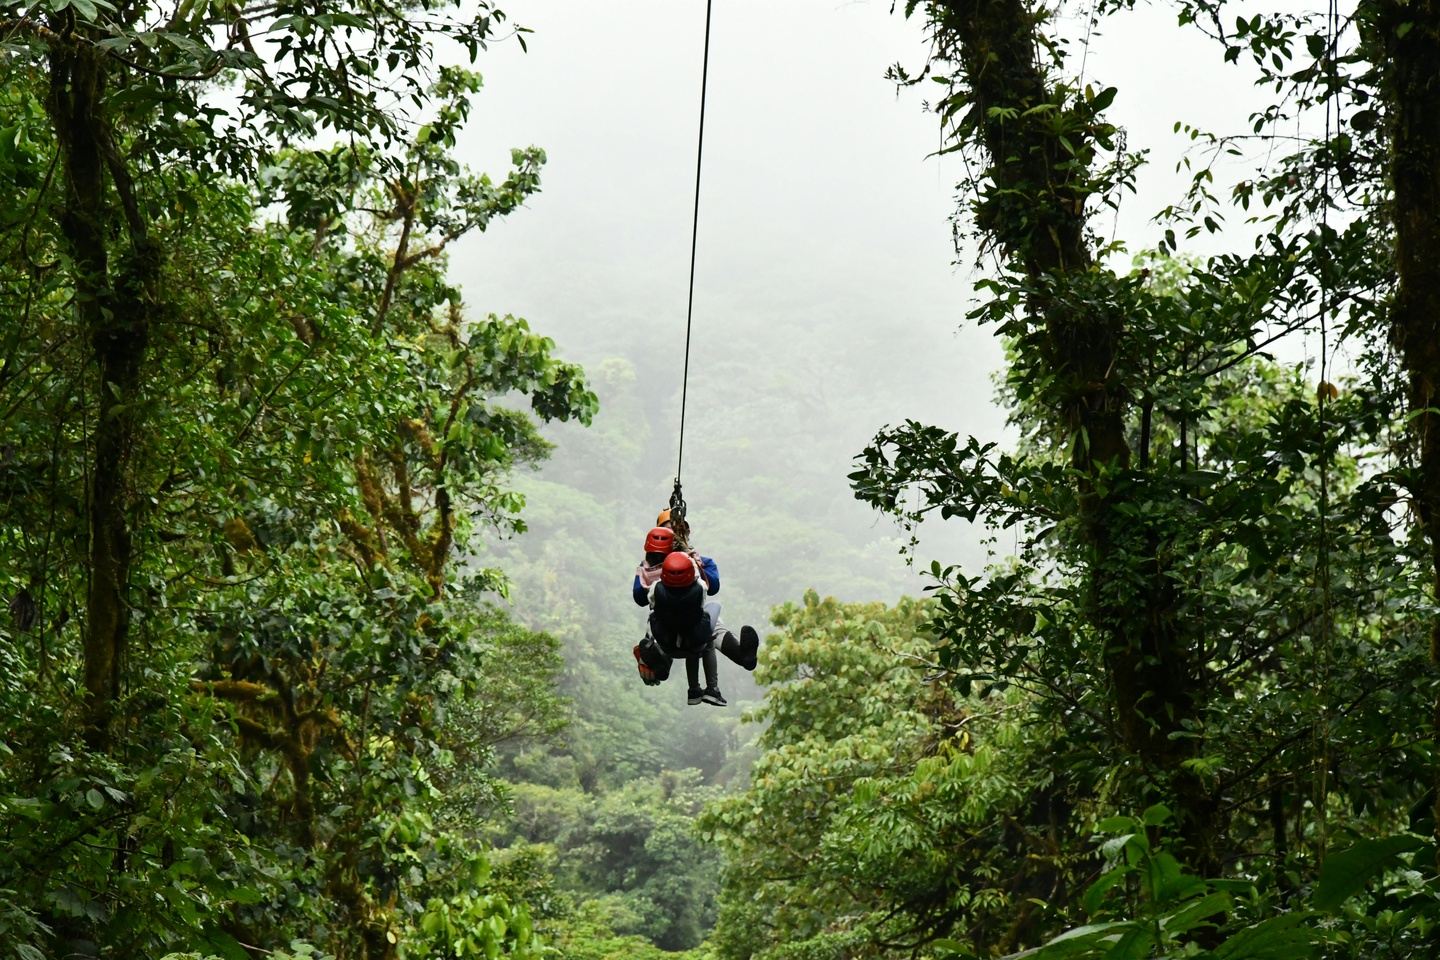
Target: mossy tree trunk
column 112, row 306
column 1410, row 34
column 1040, row 146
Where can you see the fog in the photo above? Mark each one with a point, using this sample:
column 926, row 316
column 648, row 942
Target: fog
column 829, row 297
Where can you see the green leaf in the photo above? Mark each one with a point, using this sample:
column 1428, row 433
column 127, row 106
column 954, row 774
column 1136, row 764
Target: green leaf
column 1196, row 912
column 1082, row 940
column 1127, row 843
column 246, row 895
column 1279, row 938
column 226, row 946
column 1157, row 814
column 31, row 808
column 1095, row 893
column 1118, row 825
column 1349, row 871
column 1134, row 944
column 1169, row 883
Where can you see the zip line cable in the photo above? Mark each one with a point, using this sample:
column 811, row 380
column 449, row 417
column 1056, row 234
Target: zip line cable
column 677, row 501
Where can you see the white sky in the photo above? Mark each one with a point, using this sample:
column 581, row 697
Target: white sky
column 815, row 183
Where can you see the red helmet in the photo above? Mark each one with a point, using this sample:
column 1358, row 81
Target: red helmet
column 659, row 540
column 678, row 570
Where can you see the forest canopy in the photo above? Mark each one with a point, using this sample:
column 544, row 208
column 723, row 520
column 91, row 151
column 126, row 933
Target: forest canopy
column 307, row 655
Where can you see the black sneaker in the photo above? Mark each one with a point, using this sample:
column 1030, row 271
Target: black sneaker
column 749, row 646
column 712, row 696
column 696, row 696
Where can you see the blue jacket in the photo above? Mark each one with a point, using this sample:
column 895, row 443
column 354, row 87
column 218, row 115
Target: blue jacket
column 708, row 570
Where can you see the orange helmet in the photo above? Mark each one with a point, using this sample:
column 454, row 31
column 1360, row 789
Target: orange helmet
column 662, row 518
column 659, row 540
column 678, row 570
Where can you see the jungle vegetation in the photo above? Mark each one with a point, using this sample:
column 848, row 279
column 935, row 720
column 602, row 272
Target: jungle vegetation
column 302, row 659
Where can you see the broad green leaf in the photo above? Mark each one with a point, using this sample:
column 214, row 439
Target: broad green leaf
column 1095, row 893
column 1349, row 871
column 1082, row 940
column 1134, row 944
column 1156, row 814
column 1195, row 912
column 1279, row 938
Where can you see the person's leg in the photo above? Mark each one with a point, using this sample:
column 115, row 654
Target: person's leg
column 712, row 667
column 749, row 645
column 692, row 674
column 712, row 610
column 739, row 650
column 711, row 694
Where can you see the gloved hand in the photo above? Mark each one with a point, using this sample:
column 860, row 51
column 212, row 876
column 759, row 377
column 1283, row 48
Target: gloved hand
column 646, row 674
column 653, row 662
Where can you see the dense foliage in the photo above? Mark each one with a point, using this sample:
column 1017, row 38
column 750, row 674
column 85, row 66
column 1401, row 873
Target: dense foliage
column 883, row 806
column 257, row 500
column 249, row 429
column 1215, row 605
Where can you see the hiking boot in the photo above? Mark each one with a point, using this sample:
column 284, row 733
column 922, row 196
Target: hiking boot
column 749, row 646
column 712, row 696
column 696, row 696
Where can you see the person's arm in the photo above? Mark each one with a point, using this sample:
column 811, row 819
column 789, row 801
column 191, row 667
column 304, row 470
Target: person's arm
column 639, row 594
column 712, row 575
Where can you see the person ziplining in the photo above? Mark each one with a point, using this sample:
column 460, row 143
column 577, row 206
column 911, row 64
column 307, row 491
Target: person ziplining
column 674, row 580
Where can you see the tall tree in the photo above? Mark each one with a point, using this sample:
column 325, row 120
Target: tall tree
column 1050, row 155
column 1406, row 42
column 249, row 423
column 127, row 94
column 1192, row 526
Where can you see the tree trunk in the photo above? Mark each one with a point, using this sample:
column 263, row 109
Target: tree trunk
column 1035, row 214
column 114, row 319
column 1413, row 90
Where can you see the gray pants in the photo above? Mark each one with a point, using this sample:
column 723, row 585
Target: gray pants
column 719, row 635
column 717, row 629
column 692, row 664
